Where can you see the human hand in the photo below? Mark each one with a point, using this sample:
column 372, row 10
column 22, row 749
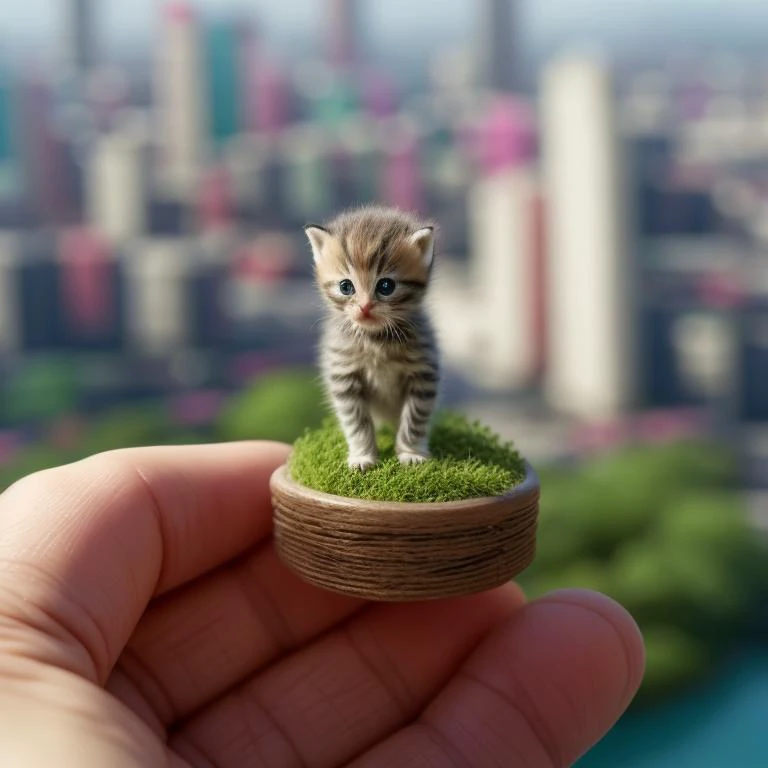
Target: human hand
column 145, row 620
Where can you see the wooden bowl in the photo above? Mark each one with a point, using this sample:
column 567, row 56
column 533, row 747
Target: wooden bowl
column 398, row 551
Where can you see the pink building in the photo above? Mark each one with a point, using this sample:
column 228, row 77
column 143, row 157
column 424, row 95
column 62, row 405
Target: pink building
column 87, row 282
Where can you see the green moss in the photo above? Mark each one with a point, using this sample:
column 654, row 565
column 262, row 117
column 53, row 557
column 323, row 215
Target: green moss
column 469, row 461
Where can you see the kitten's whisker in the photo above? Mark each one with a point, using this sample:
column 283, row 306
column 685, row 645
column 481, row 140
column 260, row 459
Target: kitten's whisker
column 399, row 332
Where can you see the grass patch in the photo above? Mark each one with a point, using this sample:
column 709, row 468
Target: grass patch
column 469, row 461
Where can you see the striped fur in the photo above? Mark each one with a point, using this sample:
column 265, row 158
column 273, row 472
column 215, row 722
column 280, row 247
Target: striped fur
column 382, row 368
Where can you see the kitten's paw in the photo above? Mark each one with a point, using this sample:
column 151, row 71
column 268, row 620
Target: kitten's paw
column 412, row 457
column 361, row 463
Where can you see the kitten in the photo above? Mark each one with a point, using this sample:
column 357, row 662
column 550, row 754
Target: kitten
column 379, row 357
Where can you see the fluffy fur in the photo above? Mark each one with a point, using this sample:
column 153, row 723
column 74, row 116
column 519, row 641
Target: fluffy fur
column 378, row 355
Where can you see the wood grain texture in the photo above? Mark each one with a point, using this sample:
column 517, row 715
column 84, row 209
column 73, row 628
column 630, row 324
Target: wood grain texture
column 400, row 552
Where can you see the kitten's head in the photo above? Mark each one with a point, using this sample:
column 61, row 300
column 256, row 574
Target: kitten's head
column 372, row 266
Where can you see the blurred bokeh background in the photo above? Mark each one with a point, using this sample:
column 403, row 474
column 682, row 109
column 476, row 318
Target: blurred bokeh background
column 599, row 173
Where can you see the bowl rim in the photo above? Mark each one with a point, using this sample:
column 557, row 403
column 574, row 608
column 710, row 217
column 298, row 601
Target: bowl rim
column 524, row 492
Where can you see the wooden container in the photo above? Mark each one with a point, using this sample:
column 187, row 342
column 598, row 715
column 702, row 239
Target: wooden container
column 398, row 551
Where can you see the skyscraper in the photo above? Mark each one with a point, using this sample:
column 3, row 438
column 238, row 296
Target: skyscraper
column 591, row 308
column 216, row 200
column 343, row 33
column 401, row 181
column 224, row 44
column 497, row 53
column 506, row 251
column 181, row 100
column 158, row 313
column 47, row 177
column 10, row 264
column 9, row 150
column 268, row 99
column 307, row 173
column 116, row 185
column 79, row 52
column 87, row 287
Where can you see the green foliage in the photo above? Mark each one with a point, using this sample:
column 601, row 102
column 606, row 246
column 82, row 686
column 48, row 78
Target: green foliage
column 663, row 531
column 278, row 406
column 468, row 461
column 41, row 389
column 31, row 460
column 126, row 427
column 673, row 659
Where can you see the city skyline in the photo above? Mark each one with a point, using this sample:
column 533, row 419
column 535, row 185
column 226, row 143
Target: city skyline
column 544, row 23
column 227, row 149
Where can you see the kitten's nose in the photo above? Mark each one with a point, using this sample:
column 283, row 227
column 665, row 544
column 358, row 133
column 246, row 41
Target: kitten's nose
column 365, row 309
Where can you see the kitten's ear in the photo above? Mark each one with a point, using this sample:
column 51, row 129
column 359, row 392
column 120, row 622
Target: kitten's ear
column 319, row 238
column 424, row 240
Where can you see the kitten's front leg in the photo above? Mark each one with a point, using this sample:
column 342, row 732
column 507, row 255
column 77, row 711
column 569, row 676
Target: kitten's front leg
column 413, row 432
column 353, row 411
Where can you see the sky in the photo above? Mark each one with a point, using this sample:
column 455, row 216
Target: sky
column 542, row 20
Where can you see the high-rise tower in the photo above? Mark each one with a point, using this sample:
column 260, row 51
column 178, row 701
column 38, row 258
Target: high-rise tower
column 79, row 52
column 506, row 249
column 497, row 52
column 10, row 172
column 591, row 297
column 10, row 271
column 181, row 100
column 116, row 185
column 344, row 33
column 225, row 40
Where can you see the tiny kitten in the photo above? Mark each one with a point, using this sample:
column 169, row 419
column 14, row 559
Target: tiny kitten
column 378, row 353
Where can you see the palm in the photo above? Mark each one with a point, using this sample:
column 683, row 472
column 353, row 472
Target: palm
column 219, row 671
column 157, row 636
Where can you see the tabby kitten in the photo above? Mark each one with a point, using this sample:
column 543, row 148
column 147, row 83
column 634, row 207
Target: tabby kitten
column 378, row 354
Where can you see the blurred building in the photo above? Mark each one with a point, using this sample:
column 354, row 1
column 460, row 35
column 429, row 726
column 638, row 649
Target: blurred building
column 39, row 311
column 224, row 45
column 150, row 218
column 10, row 156
column 690, row 299
column 307, row 167
column 181, row 104
column 498, row 58
column 508, row 258
column 90, row 292
column 402, row 179
column 117, row 185
column 10, row 294
column 591, row 317
column 79, row 39
column 751, row 375
column 344, row 33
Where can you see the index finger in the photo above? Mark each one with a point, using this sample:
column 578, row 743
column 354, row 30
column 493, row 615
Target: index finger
column 91, row 543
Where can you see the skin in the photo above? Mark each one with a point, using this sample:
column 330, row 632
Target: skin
column 145, row 620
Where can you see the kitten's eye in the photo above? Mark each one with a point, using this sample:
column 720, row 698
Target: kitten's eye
column 385, row 287
column 346, row 287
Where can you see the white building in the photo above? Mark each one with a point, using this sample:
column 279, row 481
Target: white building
column 158, row 311
column 505, row 253
column 491, row 318
column 116, row 185
column 182, row 127
column 590, row 293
